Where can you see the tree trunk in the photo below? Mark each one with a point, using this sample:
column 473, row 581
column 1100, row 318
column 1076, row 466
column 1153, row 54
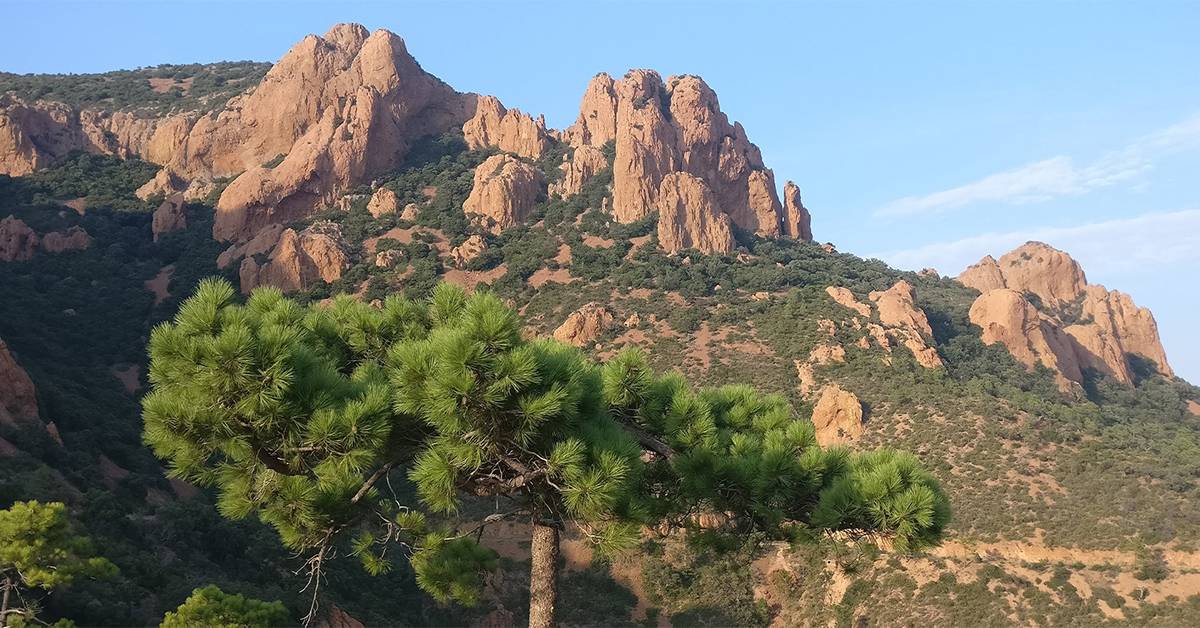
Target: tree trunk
column 4, row 605
column 543, row 577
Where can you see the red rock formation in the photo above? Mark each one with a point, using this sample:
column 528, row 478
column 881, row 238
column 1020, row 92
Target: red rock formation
column 509, row 130
column 898, row 312
column 471, row 248
column 505, row 189
column 1008, row 318
column 73, row 239
column 18, row 399
column 299, row 260
column 383, row 201
column 1105, row 330
column 845, row 298
column 837, row 416
column 17, row 240
column 170, row 216
column 586, row 162
column 797, row 223
column 688, row 217
column 585, row 325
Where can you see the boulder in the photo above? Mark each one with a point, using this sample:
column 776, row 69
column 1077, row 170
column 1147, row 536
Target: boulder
column 73, row 239
column 509, row 130
column 471, row 248
column 165, row 183
column 837, row 416
column 18, row 398
column 585, row 325
column 688, row 217
column 299, row 260
column 383, row 201
column 898, row 311
column 389, row 258
column 504, row 190
column 1033, row 267
column 17, row 240
column 170, row 216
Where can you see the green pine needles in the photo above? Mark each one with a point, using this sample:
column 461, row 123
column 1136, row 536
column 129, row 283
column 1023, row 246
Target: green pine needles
column 302, row 415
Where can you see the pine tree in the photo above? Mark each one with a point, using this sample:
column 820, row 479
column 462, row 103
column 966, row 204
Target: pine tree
column 299, row 413
column 210, row 607
column 523, row 420
column 39, row 549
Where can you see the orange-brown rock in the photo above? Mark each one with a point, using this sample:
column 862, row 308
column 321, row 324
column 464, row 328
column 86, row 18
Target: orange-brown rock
column 509, row 130
column 389, row 258
column 1115, row 327
column 597, row 121
column 837, row 416
column 504, row 190
column 797, row 222
column 688, row 217
column 73, row 239
column 471, row 248
column 165, row 183
column 383, row 201
column 342, row 108
column 1033, row 267
column 645, row 145
column 1008, row 318
column 586, row 162
column 299, row 260
column 17, row 240
column 585, row 325
column 262, row 242
column 170, row 216
column 898, row 311
column 18, row 399
column 1102, row 334
column 845, row 298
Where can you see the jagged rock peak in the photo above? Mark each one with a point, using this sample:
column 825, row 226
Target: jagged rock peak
column 1077, row 325
column 662, row 127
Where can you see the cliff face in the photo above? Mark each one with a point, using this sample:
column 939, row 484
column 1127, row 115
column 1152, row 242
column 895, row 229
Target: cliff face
column 1036, row 302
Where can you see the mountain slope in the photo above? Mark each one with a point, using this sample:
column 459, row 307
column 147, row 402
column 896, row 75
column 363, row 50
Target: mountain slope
column 653, row 223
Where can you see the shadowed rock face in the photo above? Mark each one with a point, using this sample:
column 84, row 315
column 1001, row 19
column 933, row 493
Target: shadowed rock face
column 1036, row 301
column 18, row 399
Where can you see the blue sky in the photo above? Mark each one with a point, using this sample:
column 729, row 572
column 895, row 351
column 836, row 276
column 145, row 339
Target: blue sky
column 926, row 134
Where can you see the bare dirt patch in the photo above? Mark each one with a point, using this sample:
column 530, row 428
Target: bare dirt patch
column 130, row 377
column 161, row 283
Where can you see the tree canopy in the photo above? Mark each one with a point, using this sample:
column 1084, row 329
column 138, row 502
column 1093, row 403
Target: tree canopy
column 301, row 414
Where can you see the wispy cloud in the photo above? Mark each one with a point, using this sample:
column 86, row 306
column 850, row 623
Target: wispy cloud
column 1057, row 176
column 1111, row 247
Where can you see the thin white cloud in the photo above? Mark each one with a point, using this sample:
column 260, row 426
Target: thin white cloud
column 1056, row 177
column 1111, row 247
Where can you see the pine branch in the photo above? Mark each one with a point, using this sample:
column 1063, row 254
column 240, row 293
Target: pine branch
column 375, row 477
column 648, row 441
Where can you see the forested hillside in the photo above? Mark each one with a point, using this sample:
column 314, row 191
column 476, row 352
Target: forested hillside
column 1074, row 483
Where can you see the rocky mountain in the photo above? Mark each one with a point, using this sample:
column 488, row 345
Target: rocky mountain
column 1044, row 404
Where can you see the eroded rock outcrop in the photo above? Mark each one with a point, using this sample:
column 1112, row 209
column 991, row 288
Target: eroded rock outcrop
column 688, row 217
column 585, row 325
column 18, row 398
column 845, row 298
column 470, row 249
column 837, row 416
column 1077, row 325
column 585, row 163
column 659, row 128
column 18, row 241
column 75, row 238
column 504, row 190
column 383, row 201
column 1008, row 318
column 170, row 216
column 509, row 130
column 299, row 260
column 797, row 222
column 899, row 313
